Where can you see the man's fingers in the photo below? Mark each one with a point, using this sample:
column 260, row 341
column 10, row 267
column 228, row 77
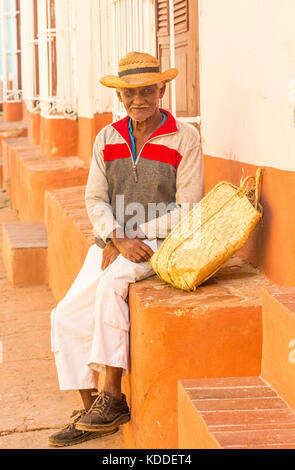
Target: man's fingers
column 104, row 264
column 143, row 254
column 143, row 247
column 147, row 249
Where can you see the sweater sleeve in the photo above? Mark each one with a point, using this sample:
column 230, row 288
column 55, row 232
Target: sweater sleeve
column 97, row 200
column 189, row 190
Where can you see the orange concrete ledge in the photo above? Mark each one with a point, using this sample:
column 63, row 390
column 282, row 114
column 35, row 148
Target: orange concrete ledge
column 213, row 332
column 9, row 146
column 13, row 149
column 27, row 174
column 17, row 197
column 24, row 249
column 278, row 354
column 233, row 413
column 37, row 174
column 67, row 245
column 12, row 130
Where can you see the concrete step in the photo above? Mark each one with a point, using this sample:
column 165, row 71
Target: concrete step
column 12, row 129
column 31, row 174
column 24, row 251
column 278, row 354
column 67, row 246
column 233, row 413
column 215, row 331
column 9, row 147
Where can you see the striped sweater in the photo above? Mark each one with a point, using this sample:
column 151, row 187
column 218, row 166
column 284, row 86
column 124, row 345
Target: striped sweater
column 169, row 173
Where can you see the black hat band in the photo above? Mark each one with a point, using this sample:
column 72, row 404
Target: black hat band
column 139, row 70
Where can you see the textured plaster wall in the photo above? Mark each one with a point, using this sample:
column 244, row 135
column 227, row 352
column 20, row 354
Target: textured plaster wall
column 247, row 64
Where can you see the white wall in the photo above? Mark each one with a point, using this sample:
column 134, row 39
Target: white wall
column 247, row 61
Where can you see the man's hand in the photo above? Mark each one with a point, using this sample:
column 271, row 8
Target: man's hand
column 110, row 253
column 133, row 249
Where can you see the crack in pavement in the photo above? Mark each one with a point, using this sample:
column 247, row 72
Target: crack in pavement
column 22, row 431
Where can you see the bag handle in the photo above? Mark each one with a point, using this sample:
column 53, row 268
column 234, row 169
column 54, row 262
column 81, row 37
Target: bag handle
column 244, row 183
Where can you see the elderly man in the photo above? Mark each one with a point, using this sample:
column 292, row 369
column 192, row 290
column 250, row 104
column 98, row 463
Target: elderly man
column 149, row 164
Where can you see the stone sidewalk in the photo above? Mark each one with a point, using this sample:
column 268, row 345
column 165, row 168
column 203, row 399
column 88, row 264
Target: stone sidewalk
column 32, row 407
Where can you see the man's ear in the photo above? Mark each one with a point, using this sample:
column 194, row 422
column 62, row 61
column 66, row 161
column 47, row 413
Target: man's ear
column 162, row 90
column 119, row 95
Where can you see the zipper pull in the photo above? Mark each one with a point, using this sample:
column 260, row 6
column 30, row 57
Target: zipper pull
column 135, row 174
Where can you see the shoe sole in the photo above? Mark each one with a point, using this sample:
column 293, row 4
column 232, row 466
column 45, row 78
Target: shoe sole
column 104, row 427
column 82, row 439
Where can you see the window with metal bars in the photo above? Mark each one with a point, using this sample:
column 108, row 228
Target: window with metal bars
column 32, row 90
column 133, row 22
column 11, row 50
column 50, row 37
column 35, row 52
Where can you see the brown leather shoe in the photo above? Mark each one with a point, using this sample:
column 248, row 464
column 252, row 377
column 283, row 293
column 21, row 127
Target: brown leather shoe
column 106, row 413
column 70, row 435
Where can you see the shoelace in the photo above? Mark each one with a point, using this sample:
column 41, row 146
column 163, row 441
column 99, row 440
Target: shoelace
column 99, row 404
column 75, row 413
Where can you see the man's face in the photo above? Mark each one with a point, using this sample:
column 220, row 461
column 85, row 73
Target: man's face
column 142, row 102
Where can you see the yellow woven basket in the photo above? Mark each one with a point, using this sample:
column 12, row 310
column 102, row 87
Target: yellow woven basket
column 209, row 234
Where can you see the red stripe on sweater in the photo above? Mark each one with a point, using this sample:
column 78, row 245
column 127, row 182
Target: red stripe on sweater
column 155, row 152
column 161, row 153
column 115, row 151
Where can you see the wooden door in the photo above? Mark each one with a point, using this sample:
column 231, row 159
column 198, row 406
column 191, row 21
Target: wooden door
column 186, row 54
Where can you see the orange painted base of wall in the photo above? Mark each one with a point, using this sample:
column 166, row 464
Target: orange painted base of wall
column 34, row 121
column 12, row 111
column 26, row 113
column 271, row 245
column 88, row 129
column 58, row 137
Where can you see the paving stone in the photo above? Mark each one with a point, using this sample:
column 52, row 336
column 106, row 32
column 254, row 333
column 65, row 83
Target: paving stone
column 39, row 440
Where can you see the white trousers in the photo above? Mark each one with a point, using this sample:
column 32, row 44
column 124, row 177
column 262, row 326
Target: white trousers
column 90, row 325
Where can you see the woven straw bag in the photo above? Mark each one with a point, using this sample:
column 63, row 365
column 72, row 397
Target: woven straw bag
column 209, row 234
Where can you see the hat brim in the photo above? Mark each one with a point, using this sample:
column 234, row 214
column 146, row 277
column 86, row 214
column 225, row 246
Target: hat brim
column 138, row 80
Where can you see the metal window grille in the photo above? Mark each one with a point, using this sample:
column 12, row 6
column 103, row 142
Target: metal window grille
column 56, row 40
column 133, row 23
column 11, row 51
column 31, row 91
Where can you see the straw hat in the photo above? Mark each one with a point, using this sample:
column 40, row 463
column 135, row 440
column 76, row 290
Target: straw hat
column 138, row 69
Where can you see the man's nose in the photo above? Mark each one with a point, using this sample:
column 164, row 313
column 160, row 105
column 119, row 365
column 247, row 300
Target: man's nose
column 138, row 98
